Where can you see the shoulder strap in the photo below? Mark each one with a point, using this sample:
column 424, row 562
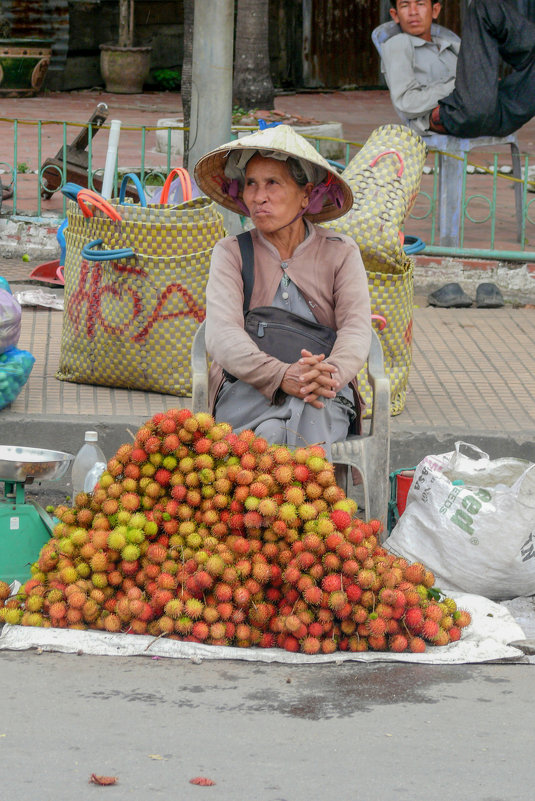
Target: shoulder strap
column 245, row 241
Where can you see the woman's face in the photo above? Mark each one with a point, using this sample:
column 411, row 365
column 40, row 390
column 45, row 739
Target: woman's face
column 271, row 194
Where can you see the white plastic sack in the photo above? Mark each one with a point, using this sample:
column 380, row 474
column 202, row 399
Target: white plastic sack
column 10, row 319
column 471, row 520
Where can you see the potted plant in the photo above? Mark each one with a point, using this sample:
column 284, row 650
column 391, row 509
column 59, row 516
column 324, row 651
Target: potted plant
column 124, row 67
column 23, row 63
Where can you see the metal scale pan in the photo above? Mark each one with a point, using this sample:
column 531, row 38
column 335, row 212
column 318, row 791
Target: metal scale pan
column 22, row 464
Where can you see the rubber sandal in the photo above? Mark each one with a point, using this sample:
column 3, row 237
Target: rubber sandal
column 450, row 296
column 488, row 296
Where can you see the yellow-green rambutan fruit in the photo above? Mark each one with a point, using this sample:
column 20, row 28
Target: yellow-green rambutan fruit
column 347, row 505
column 307, row 511
column 100, row 580
column 12, row 616
column 69, row 574
column 135, row 535
column 116, row 539
column 130, row 552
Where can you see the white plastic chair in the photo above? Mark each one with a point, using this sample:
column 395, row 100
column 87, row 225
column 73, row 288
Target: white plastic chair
column 368, row 453
column 451, row 169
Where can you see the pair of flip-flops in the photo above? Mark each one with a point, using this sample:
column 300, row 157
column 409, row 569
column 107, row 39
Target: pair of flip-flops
column 452, row 296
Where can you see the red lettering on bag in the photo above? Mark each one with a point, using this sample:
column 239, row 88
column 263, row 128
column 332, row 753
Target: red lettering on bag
column 93, row 297
column 191, row 310
column 407, row 336
column 91, row 292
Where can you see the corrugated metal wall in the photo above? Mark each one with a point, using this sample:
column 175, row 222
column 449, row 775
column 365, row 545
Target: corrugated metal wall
column 336, row 39
column 336, row 43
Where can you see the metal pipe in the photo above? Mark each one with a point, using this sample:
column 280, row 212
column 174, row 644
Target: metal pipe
column 476, row 253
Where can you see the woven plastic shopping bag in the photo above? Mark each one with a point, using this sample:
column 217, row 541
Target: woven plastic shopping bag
column 135, row 280
column 385, row 178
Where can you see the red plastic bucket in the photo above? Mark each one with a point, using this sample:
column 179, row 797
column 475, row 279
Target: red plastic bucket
column 403, row 483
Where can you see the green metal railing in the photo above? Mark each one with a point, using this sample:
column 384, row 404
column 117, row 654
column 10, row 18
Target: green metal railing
column 499, row 181
column 14, row 173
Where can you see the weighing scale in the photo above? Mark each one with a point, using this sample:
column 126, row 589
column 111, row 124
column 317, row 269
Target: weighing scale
column 24, row 525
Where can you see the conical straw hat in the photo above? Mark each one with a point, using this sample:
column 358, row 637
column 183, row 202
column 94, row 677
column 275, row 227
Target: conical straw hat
column 334, row 198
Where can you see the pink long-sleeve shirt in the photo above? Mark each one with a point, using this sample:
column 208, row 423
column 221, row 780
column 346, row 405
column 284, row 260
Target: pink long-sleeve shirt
column 328, row 270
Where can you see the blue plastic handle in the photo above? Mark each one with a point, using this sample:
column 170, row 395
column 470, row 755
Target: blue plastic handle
column 60, row 236
column 71, row 190
column 413, row 244
column 262, row 124
column 89, row 253
column 137, row 183
column 338, row 166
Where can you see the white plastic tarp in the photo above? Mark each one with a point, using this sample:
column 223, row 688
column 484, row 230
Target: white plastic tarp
column 485, row 640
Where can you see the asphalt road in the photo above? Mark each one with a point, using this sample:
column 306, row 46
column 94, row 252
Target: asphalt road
column 352, row 732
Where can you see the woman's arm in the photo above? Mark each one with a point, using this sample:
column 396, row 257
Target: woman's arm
column 226, row 339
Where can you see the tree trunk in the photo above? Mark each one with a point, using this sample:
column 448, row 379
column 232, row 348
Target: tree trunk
column 252, row 86
column 126, row 28
column 185, row 81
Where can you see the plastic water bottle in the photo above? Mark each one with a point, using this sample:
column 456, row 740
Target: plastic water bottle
column 89, row 464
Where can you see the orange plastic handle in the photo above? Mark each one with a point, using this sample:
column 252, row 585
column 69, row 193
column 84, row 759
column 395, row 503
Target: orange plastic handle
column 387, row 153
column 98, row 201
column 380, row 320
column 185, row 183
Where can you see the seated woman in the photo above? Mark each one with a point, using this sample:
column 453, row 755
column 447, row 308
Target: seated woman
column 284, row 185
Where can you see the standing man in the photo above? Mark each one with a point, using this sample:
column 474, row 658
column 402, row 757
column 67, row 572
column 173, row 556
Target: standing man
column 441, row 85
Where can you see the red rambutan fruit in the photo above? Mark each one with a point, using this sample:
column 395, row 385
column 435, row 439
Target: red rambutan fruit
column 414, row 618
column 313, row 595
column 310, row 645
column 377, row 642
column 429, row 629
column 433, row 612
column 200, row 630
column 454, row 633
column 331, row 562
column 375, row 625
column 337, row 600
column 290, row 643
column 398, row 643
column 462, row 618
column 241, row 596
column 329, row 646
column 414, row 573
column 332, row 582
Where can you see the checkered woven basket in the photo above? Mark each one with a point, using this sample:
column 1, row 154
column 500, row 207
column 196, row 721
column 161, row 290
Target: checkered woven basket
column 130, row 322
column 385, row 178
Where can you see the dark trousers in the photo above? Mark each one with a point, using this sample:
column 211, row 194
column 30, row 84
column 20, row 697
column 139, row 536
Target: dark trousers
column 481, row 104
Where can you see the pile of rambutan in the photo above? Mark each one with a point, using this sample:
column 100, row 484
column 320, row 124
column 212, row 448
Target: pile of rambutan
column 197, row 533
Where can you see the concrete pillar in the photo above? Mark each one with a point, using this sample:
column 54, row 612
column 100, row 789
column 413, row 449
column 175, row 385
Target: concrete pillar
column 211, row 79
